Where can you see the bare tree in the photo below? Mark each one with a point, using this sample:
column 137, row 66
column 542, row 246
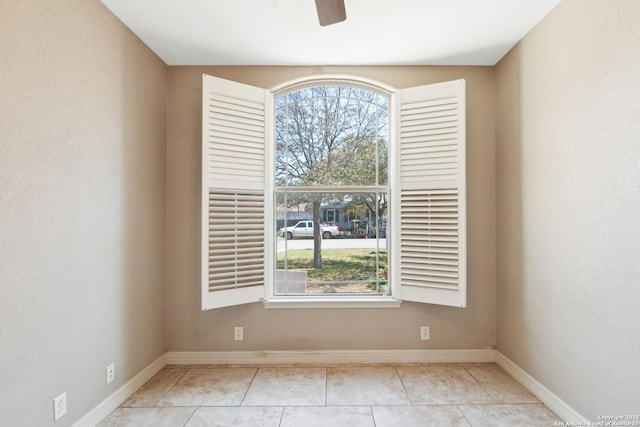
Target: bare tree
column 327, row 136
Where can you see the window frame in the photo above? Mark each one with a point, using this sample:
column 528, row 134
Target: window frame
column 370, row 188
column 333, row 215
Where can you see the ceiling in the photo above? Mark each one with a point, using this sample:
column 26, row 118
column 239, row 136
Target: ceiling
column 287, row 32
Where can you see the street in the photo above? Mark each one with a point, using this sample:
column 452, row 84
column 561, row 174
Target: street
column 331, row 243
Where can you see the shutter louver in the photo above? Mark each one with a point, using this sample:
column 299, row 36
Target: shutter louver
column 236, row 143
column 234, row 130
column 429, row 230
column 429, row 149
column 432, row 194
column 236, row 251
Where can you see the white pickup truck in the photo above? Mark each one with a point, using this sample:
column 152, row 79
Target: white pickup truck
column 305, row 229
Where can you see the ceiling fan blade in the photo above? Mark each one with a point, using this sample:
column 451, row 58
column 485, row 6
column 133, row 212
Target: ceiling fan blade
column 330, row 11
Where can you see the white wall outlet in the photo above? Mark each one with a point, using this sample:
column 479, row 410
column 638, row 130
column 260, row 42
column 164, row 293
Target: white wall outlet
column 59, row 406
column 424, row 333
column 238, row 333
column 111, row 373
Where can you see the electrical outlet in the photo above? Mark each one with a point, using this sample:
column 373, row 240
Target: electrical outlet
column 59, row 406
column 424, row 333
column 238, row 333
column 111, row 373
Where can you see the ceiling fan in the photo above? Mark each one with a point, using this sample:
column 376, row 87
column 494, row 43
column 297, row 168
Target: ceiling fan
column 330, row 11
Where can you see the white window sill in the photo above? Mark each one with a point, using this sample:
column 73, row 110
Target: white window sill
column 335, row 302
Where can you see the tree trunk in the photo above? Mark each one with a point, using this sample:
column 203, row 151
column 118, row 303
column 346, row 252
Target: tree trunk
column 317, row 234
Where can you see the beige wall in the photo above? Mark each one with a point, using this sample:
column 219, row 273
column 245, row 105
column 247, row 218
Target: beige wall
column 191, row 329
column 82, row 207
column 85, row 181
column 568, row 205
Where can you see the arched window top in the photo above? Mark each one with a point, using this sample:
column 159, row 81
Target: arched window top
column 331, row 134
column 333, row 80
column 348, row 97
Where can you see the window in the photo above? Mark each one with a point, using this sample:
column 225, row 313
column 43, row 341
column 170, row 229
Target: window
column 331, row 153
column 401, row 188
column 330, row 216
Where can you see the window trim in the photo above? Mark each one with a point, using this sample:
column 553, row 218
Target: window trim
column 342, row 301
column 333, row 215
column 329, row 79
column 271, row 300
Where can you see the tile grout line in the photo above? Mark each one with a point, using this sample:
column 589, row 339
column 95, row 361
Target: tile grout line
column 482, row 388
column 281, row 417
column 244, row 396
column 156, row 404
column 326, row 386
column 404, row 388
column 464, row 415
column 480, row 385
column 190, row 416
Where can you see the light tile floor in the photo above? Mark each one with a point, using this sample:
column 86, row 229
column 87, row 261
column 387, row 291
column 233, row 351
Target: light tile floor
column 368, row 395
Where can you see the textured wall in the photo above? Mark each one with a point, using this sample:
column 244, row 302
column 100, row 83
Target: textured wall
column 190, row 329
column 82, row 207
column 568, row 204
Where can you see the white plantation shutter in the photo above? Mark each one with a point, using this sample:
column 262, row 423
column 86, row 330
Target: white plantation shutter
column 234, row 133
column 430, row 203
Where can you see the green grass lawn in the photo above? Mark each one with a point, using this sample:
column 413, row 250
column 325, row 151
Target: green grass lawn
column 339, row 265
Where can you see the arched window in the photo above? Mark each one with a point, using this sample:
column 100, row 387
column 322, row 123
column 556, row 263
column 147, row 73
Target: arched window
column 331, row 162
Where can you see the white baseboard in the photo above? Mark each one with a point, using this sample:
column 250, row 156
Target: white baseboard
column 553, row 402
column 328, row 356
column 115, row 399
